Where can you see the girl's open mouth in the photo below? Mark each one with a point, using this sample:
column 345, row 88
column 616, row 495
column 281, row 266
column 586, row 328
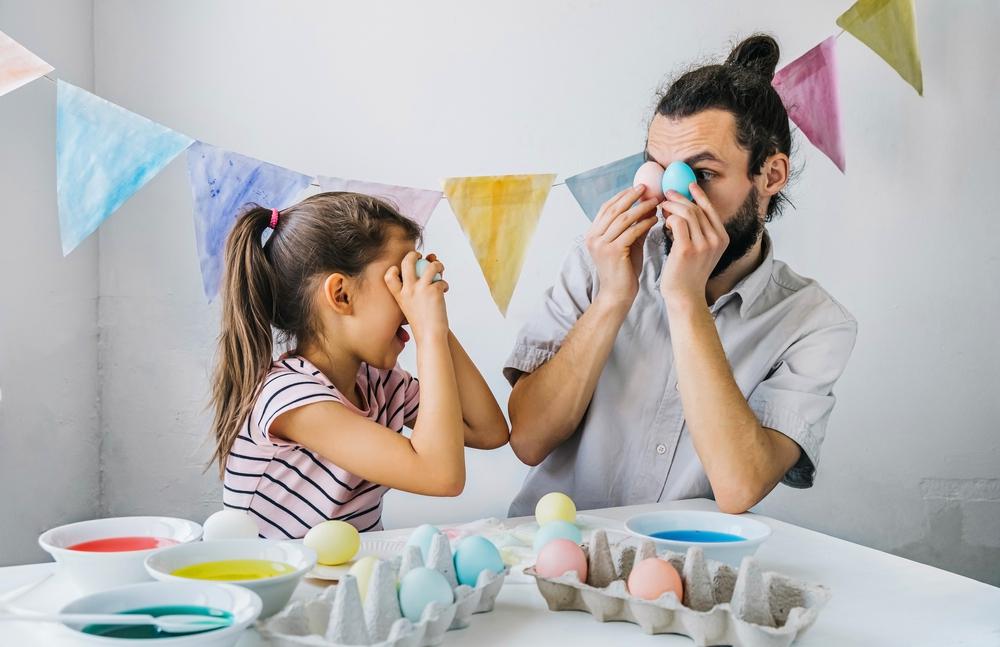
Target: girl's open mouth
column 402, row 335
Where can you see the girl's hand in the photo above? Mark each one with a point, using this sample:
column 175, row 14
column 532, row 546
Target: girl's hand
column 421, row 301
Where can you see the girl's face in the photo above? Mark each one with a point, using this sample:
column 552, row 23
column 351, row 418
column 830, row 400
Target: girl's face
column 376, row 326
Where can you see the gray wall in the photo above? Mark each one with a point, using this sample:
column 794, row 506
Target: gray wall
column 396, row 93
column 49, row 438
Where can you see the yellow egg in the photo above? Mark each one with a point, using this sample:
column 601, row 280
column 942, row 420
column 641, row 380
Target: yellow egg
column 553, row 506
column 362, row 570
column 335, row 542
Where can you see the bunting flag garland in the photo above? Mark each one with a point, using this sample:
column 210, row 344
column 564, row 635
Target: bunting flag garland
column 415, row 204
column 889, row 28
column 595, row 187
column 18, row 66
column 104, row 154
column 499, row 214
column 808, row 88
column 223, row 183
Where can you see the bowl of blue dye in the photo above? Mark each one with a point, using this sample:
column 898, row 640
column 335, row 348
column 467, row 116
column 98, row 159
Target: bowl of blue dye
column 723, row 537
column 235, row 603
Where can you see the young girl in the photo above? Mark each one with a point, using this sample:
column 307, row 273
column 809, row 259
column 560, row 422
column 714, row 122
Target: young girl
column 316, row 435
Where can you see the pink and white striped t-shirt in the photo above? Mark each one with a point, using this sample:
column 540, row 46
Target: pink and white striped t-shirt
column 288, row 488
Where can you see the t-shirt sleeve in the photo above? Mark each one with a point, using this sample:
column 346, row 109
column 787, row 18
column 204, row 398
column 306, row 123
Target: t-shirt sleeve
column 281, row 393
column 402, row 393
column 797, row 396
column 563, row 304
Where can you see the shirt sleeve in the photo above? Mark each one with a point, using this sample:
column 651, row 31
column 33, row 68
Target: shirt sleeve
column 562, row 305
column 797, row 396
column 281, row 393
column 410, row 397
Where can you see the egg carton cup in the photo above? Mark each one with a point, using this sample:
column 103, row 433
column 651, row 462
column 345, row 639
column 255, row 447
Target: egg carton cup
column 721, row 606
column 338, row 617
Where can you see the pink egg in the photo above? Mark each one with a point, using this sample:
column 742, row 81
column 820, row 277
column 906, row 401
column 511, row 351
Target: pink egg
column 650, row 175
column 560, row 556
column 652, row 577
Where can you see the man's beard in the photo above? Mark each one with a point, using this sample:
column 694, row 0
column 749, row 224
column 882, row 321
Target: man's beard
column 744, row 228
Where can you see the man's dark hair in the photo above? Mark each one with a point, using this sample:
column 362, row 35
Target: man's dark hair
column 742, row 87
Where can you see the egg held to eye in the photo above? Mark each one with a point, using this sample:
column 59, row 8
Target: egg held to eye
column 678, row 177
column 422, row 267
column 650, row 176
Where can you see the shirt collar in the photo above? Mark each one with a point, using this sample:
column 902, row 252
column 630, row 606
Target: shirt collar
column 751, row 286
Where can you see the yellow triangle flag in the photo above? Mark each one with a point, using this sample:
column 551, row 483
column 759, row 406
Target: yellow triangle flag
column 888, row 28
column 499, row 214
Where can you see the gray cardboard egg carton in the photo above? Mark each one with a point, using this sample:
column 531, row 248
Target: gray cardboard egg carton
column 338, row 617
column 721, row 606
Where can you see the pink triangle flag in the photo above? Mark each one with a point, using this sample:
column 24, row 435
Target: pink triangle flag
column 808, row 88
column 18, row 66
column 415, row 204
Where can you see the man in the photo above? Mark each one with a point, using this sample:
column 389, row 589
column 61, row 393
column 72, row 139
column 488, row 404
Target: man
column 683, row 360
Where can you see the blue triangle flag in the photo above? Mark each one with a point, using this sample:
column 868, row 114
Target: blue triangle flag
column 104, row 154
column 595, row 187
column 223, row 183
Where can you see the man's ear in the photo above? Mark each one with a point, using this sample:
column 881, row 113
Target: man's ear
column 774, row 174
column 338, row 293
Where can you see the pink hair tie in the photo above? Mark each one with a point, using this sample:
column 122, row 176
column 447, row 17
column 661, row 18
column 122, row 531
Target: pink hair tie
column 274, row 219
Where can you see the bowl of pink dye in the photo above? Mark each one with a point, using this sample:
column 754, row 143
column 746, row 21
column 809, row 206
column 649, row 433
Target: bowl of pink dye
column 100, row 554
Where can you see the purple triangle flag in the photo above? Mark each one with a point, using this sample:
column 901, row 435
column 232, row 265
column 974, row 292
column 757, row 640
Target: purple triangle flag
column 415, row 204
column 808, row 88
column 223, row 183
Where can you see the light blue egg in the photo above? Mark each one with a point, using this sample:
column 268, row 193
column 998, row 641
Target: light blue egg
column 422, row 537
column 422, row 267
column 557, row 529
column 473, row 556
column 421, row 586
column 678, row 177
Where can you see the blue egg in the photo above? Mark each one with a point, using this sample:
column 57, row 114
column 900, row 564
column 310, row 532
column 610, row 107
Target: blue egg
column 422, row 267
column 422, row 538
column 557, row 529
column 475, row 555
column 678, row 177
column 421, row 586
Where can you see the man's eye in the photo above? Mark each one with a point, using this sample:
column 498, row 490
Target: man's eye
column 704, row 174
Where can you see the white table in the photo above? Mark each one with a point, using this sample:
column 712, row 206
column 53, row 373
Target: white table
column 878, row 599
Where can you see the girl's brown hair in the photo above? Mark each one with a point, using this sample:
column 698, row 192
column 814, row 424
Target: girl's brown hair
column 267, row 285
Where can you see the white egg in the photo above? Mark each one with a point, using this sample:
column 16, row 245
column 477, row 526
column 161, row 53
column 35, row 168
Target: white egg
column 229, row 524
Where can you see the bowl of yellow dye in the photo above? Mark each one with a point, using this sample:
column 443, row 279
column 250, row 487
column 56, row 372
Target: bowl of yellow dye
column 271, row 569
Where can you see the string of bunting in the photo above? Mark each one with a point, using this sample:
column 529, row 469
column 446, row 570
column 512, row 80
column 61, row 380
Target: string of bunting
column 105, row 153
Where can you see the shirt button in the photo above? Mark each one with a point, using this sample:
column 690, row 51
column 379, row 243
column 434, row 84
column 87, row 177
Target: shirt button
column 661, row 449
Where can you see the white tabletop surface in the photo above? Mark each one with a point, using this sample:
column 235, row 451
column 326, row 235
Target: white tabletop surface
column 878, row 599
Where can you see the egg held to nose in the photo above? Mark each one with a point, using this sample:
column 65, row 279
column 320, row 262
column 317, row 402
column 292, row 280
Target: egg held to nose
column 650, row 176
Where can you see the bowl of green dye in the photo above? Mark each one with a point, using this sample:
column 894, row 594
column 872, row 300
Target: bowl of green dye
column 234, row 603
column 723, row 537
column 270, row 568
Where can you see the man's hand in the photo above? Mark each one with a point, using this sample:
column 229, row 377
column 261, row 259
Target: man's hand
column 615, row 241
column 700, row 239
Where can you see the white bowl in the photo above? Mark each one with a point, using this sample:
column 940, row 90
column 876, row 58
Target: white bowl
column 98, row 571
column 273, row 591
column 754, row 532
column 245, row 606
